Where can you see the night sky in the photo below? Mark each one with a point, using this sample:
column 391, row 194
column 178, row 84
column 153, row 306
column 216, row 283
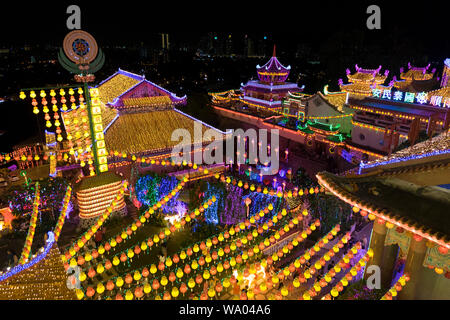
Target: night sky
column 422, row 23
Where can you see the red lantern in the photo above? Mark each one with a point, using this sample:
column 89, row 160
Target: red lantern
column 172, row 277
column 90, row 292
column 110, row 285
column 138, row 292
column 128, row 279
column 183, row 288
column 145, row 272
column 155, row 284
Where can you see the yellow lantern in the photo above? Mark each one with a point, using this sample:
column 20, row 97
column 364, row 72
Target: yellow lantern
column 100, row 288
column 334, row 293
column 129, row 295
column 164, row 281
column 191, row 283
column 119, row 282
column 100, row 269
column 147, row 288
column 175, row 292
column 137, row 276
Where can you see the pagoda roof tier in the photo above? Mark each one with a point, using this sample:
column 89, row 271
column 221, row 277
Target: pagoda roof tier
column 263, row 87
column 415, row 73
column 261, row 102
column 149, row 132
column 364, row 89
column 418, row 209
column 416, row 85
column 146, row 89
column 367, row 75
column 273, row 70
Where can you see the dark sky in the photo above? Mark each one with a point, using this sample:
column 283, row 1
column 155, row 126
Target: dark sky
column 288, row 21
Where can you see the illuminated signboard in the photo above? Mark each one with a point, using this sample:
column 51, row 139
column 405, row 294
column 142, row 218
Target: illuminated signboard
column 410, row 97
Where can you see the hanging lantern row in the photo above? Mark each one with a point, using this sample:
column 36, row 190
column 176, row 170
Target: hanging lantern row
column 54, row 101
column 265, row 190
column 86, row 236
column 315, row 289
column 127, row 231
column 279, row 276
column 62, row 215
column 32, row 228
column 207, row 244
column 129, row 253
column 398, row 286
column 339, row 287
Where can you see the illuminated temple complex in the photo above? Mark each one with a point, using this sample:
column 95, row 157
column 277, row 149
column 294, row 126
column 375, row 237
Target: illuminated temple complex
column 271, row 86
column 403, row 196
column 138, row 119
column 363, row 81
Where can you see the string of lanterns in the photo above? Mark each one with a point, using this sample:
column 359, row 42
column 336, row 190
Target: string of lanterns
column 62, row 215
column 321, row 262
column 87, row 235
column 398, row 286
column 339, row 287
column 281, row 274
column 330, row 275
column 32, row 228
column 127, row 231
column 130, row 252
column 205, row 258
column 270, row 260
column 287, row 194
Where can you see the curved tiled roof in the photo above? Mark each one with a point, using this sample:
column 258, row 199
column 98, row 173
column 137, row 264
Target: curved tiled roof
column 422, row 210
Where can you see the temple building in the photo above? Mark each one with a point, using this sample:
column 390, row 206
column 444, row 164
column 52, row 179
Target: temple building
column 363, row 81
column 138, row 119
column 380, row 125
column 402, row 195
column 271, row 86
column 416, row 79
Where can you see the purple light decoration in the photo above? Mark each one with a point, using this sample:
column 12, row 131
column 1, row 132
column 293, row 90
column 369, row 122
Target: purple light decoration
column 340, row 82
column 38, row 258
column 347, row 71
column 402, row 70
column 362, row 165
column 386, row 73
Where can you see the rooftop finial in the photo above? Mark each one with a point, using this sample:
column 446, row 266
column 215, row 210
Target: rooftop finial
column 274, row 51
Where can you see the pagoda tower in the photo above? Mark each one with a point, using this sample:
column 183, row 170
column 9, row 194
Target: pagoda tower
column 271, row 86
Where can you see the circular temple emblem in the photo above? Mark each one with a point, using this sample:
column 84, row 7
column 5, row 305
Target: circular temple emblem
column 80, row 47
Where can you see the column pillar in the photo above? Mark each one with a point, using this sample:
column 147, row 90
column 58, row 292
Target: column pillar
column 390, row 254
column 377, row 245
column 413, row 267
